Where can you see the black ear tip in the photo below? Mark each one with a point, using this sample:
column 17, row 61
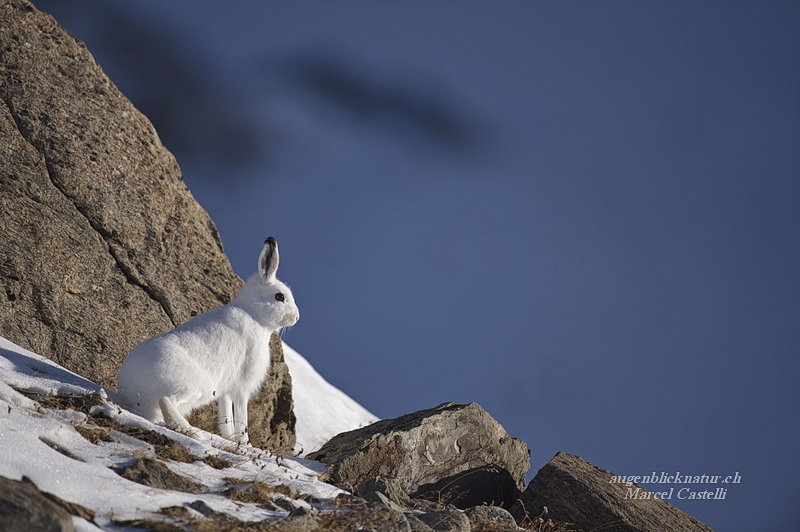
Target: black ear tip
column 271, row 241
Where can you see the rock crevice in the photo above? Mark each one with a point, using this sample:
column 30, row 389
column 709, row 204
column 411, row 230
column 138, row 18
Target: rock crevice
column 125, row 268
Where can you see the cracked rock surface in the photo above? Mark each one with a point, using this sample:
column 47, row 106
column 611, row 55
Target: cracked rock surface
column 102, row 243
column 454, row 453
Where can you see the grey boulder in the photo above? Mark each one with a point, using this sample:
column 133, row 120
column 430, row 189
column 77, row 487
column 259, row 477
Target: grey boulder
column 435, row 453
column 24, row 507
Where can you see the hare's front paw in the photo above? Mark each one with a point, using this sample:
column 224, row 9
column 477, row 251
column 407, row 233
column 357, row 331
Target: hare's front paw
column 199, row 435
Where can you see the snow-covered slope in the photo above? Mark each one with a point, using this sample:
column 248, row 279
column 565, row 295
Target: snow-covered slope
column 322, row 410
column 43, row 444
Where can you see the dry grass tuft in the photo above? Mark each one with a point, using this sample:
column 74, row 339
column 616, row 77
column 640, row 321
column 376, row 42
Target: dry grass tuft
column 185, row 521
column 255, row 492
column 165, row 447
column 350, row 514
column 95, row 436
column 150, row 524
column 216, row 462
column 80, row 403
column 169, row 449
column 540, row 524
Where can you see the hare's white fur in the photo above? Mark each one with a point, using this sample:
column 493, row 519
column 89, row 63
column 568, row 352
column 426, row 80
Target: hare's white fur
column 221, row 355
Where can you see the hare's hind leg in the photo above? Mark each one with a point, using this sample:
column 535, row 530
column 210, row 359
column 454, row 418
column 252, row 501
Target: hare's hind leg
column 174, row 419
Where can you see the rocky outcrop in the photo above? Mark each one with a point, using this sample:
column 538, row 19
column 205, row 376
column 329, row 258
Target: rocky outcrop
column 452, row 453
column 574, row 491
column 453, row 467
column 24, row 507
column 270, row 412
column 103, row 244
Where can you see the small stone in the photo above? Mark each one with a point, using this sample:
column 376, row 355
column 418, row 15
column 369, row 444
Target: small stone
column 448, row 520
column 490, row 514
column 377, row 496
column 387, row 486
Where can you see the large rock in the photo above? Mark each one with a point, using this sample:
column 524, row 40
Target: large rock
column 103, row 245
column 577, row 492
column 434, row 453
column 24, row 507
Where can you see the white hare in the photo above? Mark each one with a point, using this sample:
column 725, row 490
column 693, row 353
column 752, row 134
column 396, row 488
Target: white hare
column 221, row 355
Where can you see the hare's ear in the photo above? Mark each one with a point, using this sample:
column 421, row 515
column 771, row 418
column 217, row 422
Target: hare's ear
column 268, row 261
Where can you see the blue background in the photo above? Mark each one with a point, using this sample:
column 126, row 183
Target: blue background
column 584, row 216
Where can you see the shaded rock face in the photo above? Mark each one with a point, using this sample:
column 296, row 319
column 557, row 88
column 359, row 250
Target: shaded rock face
column 103, row 245
column 577, row 492
column 24, row 507
column 489, row 484
column 270, row 412
column 436, row 453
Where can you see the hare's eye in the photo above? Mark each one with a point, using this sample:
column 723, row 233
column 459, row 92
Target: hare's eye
column 280, row 297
